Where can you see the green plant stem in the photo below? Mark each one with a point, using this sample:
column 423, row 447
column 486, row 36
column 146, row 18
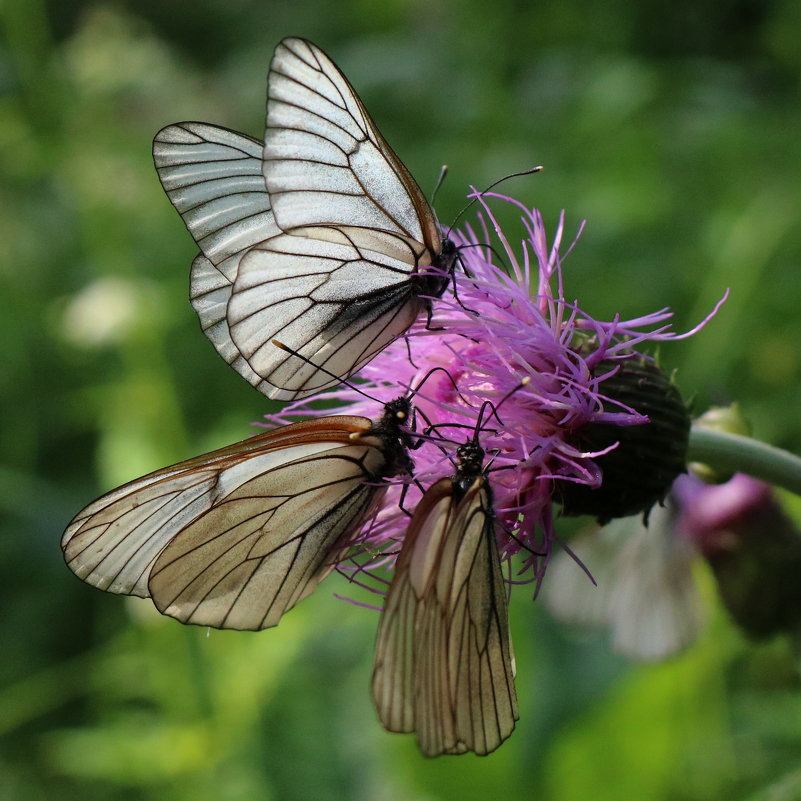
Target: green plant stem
column 738, row 454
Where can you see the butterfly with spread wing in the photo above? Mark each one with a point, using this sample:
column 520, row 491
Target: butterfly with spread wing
column 444, row 664
column 320, row 238
column 236, row 537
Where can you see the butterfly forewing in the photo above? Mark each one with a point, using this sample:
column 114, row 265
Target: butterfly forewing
column 236, row 537
column 485, row 698
column 214, row 179
column 444, row 665
column 325, row 161
column 394, row 684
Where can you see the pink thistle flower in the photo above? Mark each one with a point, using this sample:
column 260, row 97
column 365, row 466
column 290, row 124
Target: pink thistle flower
column 505, row 326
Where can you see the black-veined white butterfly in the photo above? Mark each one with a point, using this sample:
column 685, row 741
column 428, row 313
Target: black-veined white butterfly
column 643, row 585
column 236, row 537
column 321, row 238
column 444, row 664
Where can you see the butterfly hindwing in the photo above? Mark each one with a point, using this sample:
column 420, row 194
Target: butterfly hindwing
column 268, row 543
column 338, row 301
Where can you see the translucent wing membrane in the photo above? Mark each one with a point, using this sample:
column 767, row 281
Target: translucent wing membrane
column 444, row 664
column 645, row 591
column 214, row 179
column 235, row 538
column 337, row 301
column 210, row 294
column 325, row 162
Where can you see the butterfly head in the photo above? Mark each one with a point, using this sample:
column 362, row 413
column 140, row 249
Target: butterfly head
column 446, row 258
column 470, row 459
column 399, row 409
column 432, row 282
column 394, row 429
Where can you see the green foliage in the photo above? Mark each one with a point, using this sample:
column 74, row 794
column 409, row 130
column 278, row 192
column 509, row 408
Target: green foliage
column 672, row 128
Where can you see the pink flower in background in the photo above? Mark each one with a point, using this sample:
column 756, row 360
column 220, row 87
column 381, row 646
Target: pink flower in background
column 645, row 590
column 753, row 549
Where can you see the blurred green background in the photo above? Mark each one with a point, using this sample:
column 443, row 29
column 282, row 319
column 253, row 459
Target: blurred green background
column 673, row 128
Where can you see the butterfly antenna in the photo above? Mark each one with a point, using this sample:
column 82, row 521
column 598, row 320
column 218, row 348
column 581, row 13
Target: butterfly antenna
column 472, row 458
column 322, row 369
column 495, row 406
column 479, row 426
column 413, row 392
column 477, row 195
column 524, row 382
column 495, row 252
column 443, row 171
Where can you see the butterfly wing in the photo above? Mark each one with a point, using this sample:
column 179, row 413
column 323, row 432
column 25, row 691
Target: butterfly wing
column 316, row 239
column 234, row 538
column 337, row 299
column 325, row 161
column 569, row 594
column 337, row 286
column 444, row 666
column 214, row 179
column 645, row 591
column 655, row 609
column 210, row 294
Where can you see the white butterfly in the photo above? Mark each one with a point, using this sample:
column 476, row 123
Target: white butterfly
column 444, row 664
column 322, row 239
column 236, row 537
column 645, row 590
